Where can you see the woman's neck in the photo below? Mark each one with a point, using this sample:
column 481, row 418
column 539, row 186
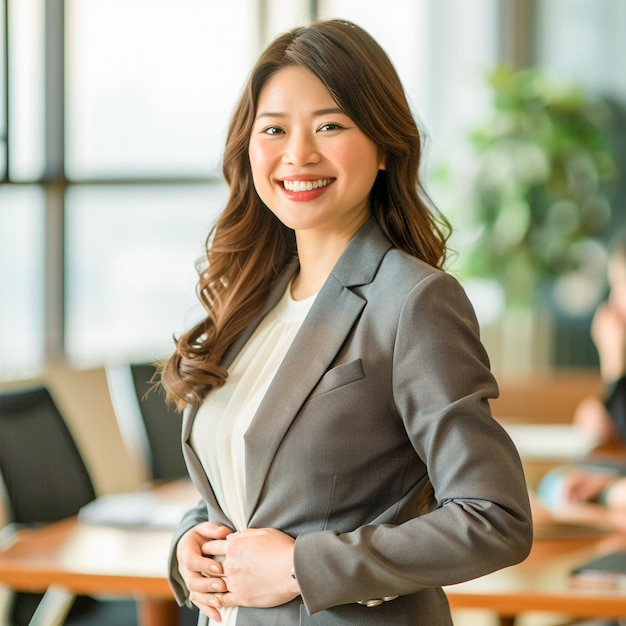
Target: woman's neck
column 317, row 254
column 309, row 279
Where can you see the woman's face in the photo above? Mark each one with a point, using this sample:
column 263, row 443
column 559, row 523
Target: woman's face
column 311, row 165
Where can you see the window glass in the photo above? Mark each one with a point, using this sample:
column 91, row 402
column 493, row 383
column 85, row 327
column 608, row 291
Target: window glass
column 283, row 15
column 26, row 89
column 131, row 255
column 580, row 40
column 21, row 281
column 3, row 128
column 151, row 84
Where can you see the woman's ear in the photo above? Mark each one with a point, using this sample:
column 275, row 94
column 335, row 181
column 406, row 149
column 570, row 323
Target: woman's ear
column 381, row 164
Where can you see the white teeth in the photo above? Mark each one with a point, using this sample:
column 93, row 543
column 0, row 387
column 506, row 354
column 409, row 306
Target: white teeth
column 306, row 185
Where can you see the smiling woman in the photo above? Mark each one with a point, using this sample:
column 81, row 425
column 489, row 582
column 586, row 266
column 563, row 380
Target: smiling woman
column 338, row 422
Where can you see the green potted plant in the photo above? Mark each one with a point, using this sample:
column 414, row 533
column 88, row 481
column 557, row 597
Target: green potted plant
column 536, row 189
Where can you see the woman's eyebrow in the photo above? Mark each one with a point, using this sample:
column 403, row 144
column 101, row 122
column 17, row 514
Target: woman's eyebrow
column 330, row 111
column 319, row 112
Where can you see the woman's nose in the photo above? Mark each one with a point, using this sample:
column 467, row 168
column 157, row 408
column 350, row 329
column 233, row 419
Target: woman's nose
column 301, row 149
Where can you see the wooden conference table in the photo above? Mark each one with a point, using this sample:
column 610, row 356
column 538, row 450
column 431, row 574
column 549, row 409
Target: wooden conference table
column 87, row 558
column 101, row 559
column 542, row 583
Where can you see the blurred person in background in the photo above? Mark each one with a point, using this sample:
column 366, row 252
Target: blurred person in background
column 604, row 419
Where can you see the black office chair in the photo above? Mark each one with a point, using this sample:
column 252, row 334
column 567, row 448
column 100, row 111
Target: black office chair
column 44, row 480
column 150, row 428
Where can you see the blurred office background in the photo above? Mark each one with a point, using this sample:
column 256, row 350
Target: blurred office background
column 112, row 121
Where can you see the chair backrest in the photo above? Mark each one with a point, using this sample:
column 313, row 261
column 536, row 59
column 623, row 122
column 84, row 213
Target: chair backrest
column 44, row 475
column 150, row 428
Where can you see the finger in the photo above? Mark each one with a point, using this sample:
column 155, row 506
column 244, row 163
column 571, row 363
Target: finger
column 218, row 585
column 215, row 548
column 213, row 530
column 207, row 584
column 211, row 613
column 199, row 563
column 214, row 600
column 212, row 569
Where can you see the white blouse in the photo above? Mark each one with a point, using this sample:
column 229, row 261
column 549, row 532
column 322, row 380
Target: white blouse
column 225, row 415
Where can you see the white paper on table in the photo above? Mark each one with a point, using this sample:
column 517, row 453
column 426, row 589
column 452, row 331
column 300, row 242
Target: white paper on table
column 550, row 442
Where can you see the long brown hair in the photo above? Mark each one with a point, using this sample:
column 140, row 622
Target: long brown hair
column 249, row 247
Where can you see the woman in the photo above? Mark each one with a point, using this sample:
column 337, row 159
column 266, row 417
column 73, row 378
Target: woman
column 339, row 371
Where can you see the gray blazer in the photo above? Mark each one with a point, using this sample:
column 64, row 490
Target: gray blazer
column 385, row 386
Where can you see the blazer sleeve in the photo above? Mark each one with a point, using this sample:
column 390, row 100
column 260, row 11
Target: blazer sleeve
column 482, row 520
column 193, row 517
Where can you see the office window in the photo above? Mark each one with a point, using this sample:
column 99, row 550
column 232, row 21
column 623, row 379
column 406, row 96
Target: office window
column 130, row 267
column 22, row 280
column 3, row 94
column 581, row 42
column 152, row 107
column 26, row 89
column 151, row 83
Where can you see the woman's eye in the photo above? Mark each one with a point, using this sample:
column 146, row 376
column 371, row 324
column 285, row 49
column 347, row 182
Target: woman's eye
column 330, row 126
column 273, row 130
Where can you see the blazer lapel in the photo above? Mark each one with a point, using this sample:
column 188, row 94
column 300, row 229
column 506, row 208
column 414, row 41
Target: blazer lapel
column 196, row 471
column 193, row 462
column 334, row 313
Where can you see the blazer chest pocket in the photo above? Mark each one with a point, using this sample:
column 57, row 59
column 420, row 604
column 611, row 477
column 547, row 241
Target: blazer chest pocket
column 340, row 376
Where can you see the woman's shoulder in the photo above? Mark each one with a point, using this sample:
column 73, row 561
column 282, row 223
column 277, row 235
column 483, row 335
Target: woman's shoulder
column 403, row 268
column 372, row 259
column 402, row 279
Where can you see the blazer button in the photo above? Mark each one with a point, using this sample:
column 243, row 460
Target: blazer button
column 376, row 601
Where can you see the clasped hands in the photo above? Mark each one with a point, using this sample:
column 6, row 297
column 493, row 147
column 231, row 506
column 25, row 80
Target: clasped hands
column 222, row 568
